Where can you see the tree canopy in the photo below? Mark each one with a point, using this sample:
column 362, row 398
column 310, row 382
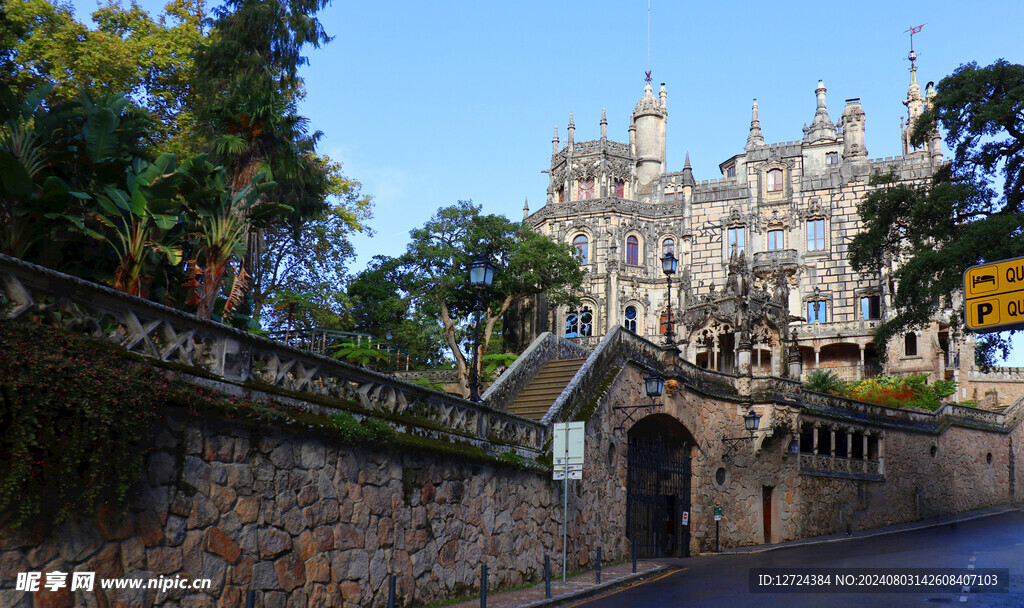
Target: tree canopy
column 971, row 212
column 435, row 266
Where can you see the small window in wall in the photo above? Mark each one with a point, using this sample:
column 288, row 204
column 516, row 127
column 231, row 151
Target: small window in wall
column 561, row 195
column 586, row 189
column 816, row 311
column 632, row 250
column 776, row 240
column 871, row 307
column 668, row 246
column 579, row 323
column 736, row 240
column 731, row 171
column 910, row 345
column 670, row 196
column 816, row 235
column 775, row 180
column 618, row 188
column 630, row 319
column 831, row 158
column 579, row 245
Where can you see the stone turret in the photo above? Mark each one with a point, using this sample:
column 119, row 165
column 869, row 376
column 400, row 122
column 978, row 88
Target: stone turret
column 853, row 130
column 821, row 127
column 604, row 124
column 572, row 132
column 650, row 117
column 915, row 106
column 935, row 141
column 755, row 139
column 555, row 142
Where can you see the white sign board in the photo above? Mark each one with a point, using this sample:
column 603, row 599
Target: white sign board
column 686, row 518
column 567, row 450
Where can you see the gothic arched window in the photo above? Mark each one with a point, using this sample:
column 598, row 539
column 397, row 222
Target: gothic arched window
column 910, row 345
column 579, row 245
column 775, row 180
column 586, row 188
column 630, row 319
column 668, row 246
column 632, row 250
column 618, row 188
column 579, row 323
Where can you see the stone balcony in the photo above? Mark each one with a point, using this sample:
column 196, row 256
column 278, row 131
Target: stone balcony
column 764, row 261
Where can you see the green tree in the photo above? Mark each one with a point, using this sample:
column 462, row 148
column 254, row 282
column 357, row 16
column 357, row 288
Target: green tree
column 312, row 258
column 150, row 60
column 932, row 233
column 435, row 267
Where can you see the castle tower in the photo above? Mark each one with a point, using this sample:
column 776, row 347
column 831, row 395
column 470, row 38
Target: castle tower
column 650, row 117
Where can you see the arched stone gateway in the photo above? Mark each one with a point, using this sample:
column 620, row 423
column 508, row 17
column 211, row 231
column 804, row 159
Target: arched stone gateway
column 658, row 487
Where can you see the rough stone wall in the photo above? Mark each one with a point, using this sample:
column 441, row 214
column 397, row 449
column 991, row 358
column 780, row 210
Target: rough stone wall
column 304, row 522
column 958, row 478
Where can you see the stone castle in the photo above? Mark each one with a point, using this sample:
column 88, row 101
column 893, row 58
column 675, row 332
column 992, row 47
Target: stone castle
column 763, row 275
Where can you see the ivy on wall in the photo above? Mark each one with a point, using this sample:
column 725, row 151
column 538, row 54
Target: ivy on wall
column 75, row 422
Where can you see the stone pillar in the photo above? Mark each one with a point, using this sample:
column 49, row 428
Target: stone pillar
column 881, row 454
column 743, row 365
column 817, row 357
column 815, row 449
column 796, row 363
column 860, row 370
column 832, row 442
column 864, row 452
column 714, row 354
column 849, row 448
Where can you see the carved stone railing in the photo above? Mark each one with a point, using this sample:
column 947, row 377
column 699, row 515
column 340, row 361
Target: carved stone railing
column 707, row 381
column 834, row 328
column 826, row 463
column 546, row 348
column 786, row 258
column 33, row 293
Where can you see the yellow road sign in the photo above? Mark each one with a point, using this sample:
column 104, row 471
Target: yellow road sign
column 994, row 296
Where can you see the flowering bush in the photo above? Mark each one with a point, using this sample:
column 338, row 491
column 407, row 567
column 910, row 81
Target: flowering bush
column 893, row 391
column 75, row 420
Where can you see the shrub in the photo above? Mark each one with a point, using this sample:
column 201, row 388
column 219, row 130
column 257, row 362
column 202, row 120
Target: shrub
column 825, row 382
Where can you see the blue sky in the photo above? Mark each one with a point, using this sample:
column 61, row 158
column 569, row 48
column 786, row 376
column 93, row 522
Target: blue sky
column 429, row 103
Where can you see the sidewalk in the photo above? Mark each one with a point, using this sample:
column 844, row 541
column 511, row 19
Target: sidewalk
column 583, row 585
column 575, row 587
column 914, row 525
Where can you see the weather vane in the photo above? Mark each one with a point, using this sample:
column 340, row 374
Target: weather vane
column 648, row 77
column 913, row 55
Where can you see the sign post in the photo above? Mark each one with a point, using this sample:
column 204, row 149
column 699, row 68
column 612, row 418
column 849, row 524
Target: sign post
column 567, row 451
column 718, row 518
column 994, row 296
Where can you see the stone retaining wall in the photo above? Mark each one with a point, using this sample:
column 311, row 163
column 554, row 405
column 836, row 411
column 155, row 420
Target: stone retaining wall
column 303, row 521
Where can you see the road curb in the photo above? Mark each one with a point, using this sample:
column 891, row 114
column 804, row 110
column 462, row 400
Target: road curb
column 933, row 523
column 594, row 589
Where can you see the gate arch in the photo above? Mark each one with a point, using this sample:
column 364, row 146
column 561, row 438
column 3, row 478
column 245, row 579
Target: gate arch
column 658, row 487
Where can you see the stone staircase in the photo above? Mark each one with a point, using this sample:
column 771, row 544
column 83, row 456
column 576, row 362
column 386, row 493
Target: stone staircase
column 538, row 396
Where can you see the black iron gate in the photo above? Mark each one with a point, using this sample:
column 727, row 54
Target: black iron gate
column 657, row 494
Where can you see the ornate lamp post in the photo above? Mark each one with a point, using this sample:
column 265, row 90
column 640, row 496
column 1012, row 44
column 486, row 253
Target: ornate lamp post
column 750, row 422
column 654, row 383
column 668, row 266
column 481, row 275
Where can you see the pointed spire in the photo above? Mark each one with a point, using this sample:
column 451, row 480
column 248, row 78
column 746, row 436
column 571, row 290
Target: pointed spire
column 663, row 95
column 754, row 139
column 687, row 176
column 604, row 124
column 822, row 126
column 526, row 207
column 555, row 142
column 572, row 130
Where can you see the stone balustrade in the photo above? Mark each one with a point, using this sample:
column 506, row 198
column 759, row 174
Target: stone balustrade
column 31, row 292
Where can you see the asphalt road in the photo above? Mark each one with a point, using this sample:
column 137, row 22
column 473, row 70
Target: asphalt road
column 723, row 580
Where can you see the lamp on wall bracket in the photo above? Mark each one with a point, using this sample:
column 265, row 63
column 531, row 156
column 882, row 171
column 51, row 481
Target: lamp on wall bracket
column 654, row 384
column 750, row 422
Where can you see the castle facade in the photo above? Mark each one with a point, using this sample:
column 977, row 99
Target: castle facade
column 763, row 277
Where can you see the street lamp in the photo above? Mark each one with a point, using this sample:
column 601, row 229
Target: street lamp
column 481, row 275
column 668, row 266
column 750, row 422
column 654, row 383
